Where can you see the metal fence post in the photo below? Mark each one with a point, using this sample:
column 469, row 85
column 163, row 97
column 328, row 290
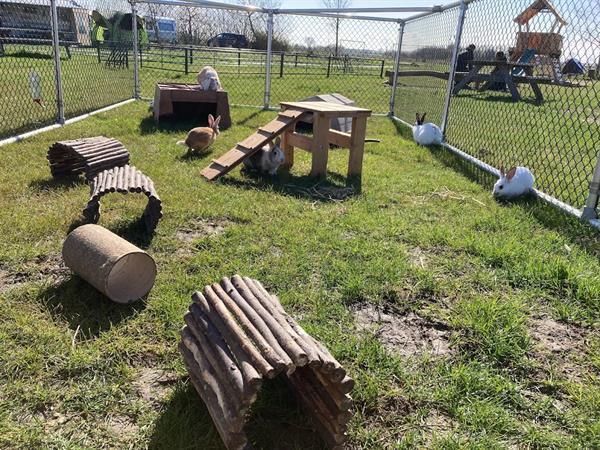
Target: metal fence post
column 396, row 70
column 269, row 60
column 136, row 54
column 457, row 40
column 590, row 211
column 60, row 106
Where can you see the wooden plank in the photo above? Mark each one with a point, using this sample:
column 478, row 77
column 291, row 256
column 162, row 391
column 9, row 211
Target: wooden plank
column 276, row 125
column 327, row 108
column 233, row 155
column 339, row 138
column 300, row 141
column 357, row 147
column 320, row 148
column 258, row 139
column 288, row 148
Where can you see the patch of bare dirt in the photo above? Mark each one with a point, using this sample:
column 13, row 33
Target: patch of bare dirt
column 438, row 423
column 407, row 334
column 46, row 267
column 153, row 385
column 419, row 257
column 122, row 427
column 561, row 345
column 556, row 337
column 202, row 228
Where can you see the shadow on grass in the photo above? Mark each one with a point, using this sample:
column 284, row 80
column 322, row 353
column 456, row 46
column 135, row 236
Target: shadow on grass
column 194, row 155
column 576, row 231
column 134, row 231
column 276, row 422
column 62, row 184
column 251, row 116
column 335, row 187
column 149, row 126
column 84, row 308
column 500, row 97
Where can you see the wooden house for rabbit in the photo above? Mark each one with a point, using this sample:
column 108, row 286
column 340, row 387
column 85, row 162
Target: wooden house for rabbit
column 191, row 103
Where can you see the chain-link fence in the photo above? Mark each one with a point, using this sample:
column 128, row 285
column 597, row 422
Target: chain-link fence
column 524, row 89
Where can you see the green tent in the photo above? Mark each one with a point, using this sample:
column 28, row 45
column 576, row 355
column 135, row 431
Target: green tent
column 116, row 31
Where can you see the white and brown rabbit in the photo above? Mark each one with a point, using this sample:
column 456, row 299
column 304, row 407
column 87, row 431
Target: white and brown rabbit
column 516, row 182
column 200, row 138
column 266, row 160
column 208, row 79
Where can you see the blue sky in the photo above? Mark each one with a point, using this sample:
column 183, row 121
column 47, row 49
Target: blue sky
column 365, row 4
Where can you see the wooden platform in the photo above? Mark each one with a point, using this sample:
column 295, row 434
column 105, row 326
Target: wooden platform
column 237, row 335
column 167, row 95
column 320, row 115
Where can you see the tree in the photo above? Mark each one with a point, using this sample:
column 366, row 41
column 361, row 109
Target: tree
column 336, row 4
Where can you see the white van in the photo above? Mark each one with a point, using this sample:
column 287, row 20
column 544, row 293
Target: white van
column 165, row 26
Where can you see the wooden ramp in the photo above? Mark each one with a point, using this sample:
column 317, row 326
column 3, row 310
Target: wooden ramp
column 284, row 121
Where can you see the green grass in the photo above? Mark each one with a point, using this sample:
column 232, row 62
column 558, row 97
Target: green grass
column 71, row 362
column 558, row 140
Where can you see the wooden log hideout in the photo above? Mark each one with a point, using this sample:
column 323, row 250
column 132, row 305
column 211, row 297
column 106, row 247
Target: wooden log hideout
column 87, row 155
column 235, row 335
column 124, row 179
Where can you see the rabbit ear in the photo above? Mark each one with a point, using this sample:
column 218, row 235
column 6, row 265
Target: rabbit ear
column 278, row 141
column 418, row 117
column 423, row 117
column 501, row 169
column 217, row 120
column 511, row 173
column 211, row 120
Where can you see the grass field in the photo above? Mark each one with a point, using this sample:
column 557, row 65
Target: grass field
column 557, row 140
column 487, row 335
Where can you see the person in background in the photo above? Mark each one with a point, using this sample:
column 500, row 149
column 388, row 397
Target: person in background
column 465, row 59
column 499, row 85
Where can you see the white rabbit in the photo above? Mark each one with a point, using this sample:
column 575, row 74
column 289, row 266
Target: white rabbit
column 426, row 133
column 266, row 160
column 516, row 182
column 208, row 79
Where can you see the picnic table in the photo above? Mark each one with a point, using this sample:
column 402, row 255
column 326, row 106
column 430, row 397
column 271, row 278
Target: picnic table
column 502, row 73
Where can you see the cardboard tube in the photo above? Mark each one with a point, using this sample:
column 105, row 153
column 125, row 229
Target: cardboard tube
column 117, row 268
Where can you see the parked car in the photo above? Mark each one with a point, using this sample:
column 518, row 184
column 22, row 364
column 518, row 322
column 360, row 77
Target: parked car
column 164, row 26
column 228, row 40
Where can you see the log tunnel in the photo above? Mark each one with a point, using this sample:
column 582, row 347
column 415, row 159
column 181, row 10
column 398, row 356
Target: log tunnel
column 235, row 336
column 123, row 180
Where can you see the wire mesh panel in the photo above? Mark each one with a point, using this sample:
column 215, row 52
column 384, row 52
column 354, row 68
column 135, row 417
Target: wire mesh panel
column 97, row 66
column 27, row 81
column 320, row 55
column 425, row 61
column 184, row 39
column 536, row 104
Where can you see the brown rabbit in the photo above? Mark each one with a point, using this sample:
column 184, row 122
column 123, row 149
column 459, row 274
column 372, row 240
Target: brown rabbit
column 200, row 138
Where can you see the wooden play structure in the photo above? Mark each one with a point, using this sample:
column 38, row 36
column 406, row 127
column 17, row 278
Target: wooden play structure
column 236, row 335
column 123, row 180
column 543, row 49
column 189, row 101
column 320, row 114
column 88, row 155
column 118, row 269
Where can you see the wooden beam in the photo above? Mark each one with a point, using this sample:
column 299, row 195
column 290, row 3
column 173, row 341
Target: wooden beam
column 339, row 138
column 299, row 140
